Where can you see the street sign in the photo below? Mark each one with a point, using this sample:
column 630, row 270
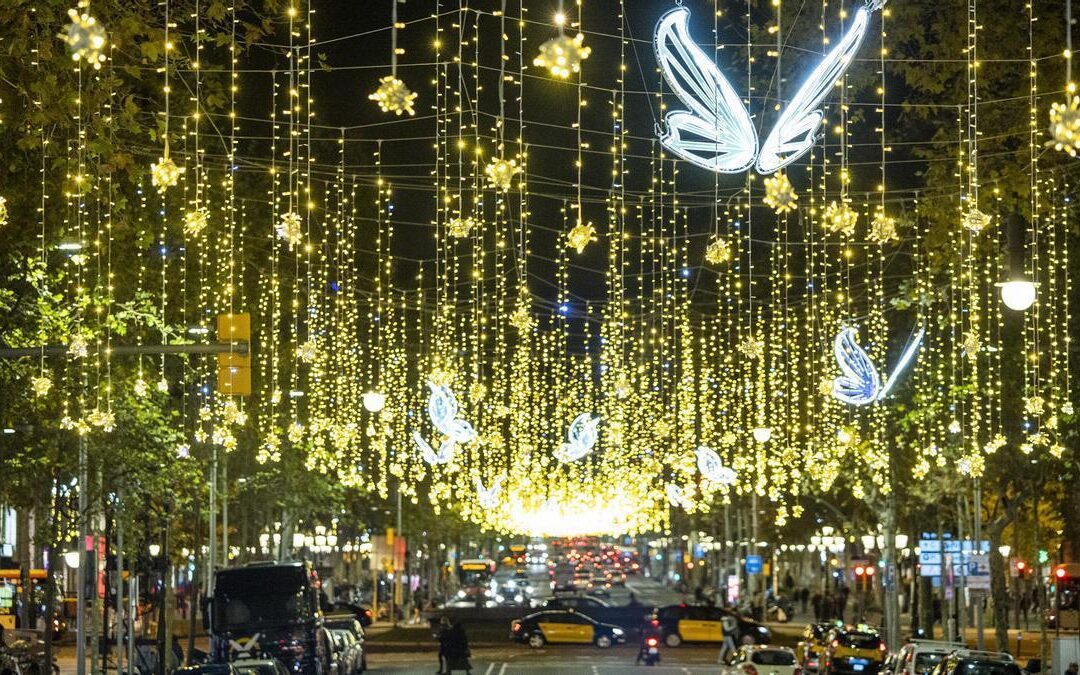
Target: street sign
column 754, row 564
column 929, row 558
column 978, row 572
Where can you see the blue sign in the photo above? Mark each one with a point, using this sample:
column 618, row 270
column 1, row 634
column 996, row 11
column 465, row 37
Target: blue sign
column 754, row 565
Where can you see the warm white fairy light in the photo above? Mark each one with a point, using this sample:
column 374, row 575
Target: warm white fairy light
column 562, row 55
column 780, row 194
column 393, row 96
column 85, row 37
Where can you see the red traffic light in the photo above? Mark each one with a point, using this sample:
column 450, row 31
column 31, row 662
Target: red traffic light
column 869, row 571
column 1021, row 565
column 860, row 570
column 1060, row 573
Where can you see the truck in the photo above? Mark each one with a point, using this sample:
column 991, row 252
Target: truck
column 269, row 610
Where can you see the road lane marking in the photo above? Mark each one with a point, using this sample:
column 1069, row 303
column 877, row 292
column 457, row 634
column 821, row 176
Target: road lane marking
column 502, row 671
column 489, row 669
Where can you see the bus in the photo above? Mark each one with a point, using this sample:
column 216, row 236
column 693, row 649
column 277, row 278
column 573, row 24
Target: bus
column 476, row 576
column 269, row 610
column 1065, row 608
column 10, row 589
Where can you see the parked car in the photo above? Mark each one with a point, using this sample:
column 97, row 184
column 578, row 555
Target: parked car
column 354, row 627
column 811, row 649
column 259, row 667
column 705, row 623
column 350, row 652
column 973, row 662
column 919, row 657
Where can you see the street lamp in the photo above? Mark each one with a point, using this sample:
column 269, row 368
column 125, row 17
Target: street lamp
column 155, row 550
column 374, row 401
column 868, row 542
column 762, row 434
column 1004, row 550
column 901, row 541
column 1018, row 294
column 72, row 558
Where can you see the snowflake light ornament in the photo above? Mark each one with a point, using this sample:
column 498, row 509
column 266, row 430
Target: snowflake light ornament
column 295, row 433
column 165, row 174
column 85, row 37
column 3, row 212
column 522, row 319
column 975, row 221
column 195, row 221
column 562, row 55
column 290, row 229
column 1065, row 126
column 971, row 345
column 78, row 348
column 501, row 172
column 141, row 388
column 718, row 251
column 882, row 229
column 162, row 386
column 840, row 219
column 103, row 419
column 580, row 236
column 1034, row 405
column 270, row 450
column 459, row 227
column 307, row 351
column 780, row 194
column 41, row 385
column 752, row 347
column 393, row 96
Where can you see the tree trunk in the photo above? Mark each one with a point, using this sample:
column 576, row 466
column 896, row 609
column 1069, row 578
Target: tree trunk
column 999, row 594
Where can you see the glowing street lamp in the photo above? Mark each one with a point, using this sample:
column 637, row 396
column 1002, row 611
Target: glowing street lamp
column 374, row 401
column 1018, row 295
column 72, row 558
column 762, row 434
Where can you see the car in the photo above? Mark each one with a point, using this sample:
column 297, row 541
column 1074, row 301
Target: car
column 582, row 580
column 574, row 602
column 854, row 651
column 363, row 614
column 755, row 659
column 259, row 667
column 705, row 623
column 974, row 662
column 919, row 657
column 208, row 669
column 564, row 627
column 355, row 628
column 350, row 652
column 811, row 647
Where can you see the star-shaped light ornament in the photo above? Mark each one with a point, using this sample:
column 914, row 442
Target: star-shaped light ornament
column 270, row 450
column 393, row 96
column 3, row 212
column 501, row 172
column 780, row 194
column 1065, row 126
column 459, row 227
column 195, row 221
column 165, row 173
column 521, row 318
column 971, row 345
column 882, row 228
column 85, row 37
column 141, row 388
column 295, row 433
column 102, row 419
column 562, row 55
column 1034, row 405
column 840, row 219
column 994, row 444
column 41, row 384
column 290, row 229
column 975, row 221
column 580, row 236
column 718, row 251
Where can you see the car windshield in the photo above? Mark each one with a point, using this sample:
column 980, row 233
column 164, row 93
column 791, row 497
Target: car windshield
column 925, row 661
column 860, row 640
column 251, row 598
column 773, row 657
column 979, row 667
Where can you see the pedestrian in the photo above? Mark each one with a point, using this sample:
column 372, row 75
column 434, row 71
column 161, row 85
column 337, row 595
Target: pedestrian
column 818, row 603
column 1073, row 669
column 789, row 582
column 443, row 636
column 457, row 654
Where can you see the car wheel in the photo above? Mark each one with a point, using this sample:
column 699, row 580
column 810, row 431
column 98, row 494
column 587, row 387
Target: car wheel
column 673, row 640
column 536, row 640
column 746, row 640
column 603, row 641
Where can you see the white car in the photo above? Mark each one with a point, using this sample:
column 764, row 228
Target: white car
column 760, row 660
column 919, row 657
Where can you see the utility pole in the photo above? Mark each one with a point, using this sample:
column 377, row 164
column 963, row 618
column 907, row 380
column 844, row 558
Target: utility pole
column 980, row 641
column 84, row 560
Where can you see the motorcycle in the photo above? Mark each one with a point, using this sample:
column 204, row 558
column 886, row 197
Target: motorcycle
column 650, row 650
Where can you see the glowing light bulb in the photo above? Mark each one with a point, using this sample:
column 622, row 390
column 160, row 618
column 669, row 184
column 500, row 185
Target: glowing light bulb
column 1017, row 295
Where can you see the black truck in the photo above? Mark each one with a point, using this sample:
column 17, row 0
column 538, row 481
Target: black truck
column 269, row 610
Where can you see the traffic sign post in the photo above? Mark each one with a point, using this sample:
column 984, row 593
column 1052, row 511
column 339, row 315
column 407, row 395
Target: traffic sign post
column 754, row 564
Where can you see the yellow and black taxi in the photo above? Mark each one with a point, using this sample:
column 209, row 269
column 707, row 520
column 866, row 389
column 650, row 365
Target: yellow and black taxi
column 811, row 648
column 564, row 627
column 704, row 623
column 854, row 651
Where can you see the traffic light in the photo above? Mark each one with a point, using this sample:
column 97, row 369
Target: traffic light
column 234, row 370
column 1060, row 573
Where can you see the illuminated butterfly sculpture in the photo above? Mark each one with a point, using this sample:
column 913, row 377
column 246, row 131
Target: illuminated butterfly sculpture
column 712, row 468
column 580, row 436
column 716, row 133
column 488, row 497
column 860, row 383
column 443, row 411
column 445, row 454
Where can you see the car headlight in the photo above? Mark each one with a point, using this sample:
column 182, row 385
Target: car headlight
column 529, row 589
column 616, row 631
column 499, row 598
column 461, row 594
column 762, row 630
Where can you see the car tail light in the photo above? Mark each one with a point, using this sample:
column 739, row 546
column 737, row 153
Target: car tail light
column 652, row 642
column 368, row 613
column 515, row 626
column 749, row 669
column 882, row 647
column 835, row 643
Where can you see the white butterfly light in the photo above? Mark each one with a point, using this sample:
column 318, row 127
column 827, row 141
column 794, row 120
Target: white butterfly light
column 580, row 436
column 716, row 133
column 712, row 468
column 443, row 411
column 488, row 497
column 675, row 495
column 860, row 383
column 445, row 454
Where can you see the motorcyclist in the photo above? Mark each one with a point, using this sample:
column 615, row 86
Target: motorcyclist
column 650, row 639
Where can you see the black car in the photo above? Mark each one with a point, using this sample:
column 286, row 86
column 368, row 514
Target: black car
column 972, row 662
column 564, row 627
column 627, row 617
column 208, row 669
column 355, row 628
column 705, row 623
column 259, row 667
